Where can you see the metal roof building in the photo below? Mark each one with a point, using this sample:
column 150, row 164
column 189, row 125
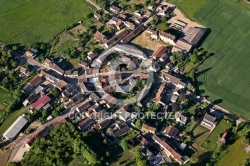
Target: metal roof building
column 15, row 128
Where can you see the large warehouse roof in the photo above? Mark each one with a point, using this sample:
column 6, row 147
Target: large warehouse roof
column 15, row 128
column 194, row 35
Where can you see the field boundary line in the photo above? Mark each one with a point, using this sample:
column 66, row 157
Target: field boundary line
column 216, row 92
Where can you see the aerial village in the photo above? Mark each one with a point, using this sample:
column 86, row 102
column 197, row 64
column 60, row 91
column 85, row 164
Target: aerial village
column 113, row 87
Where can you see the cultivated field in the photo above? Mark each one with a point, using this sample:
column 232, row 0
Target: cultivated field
column 225, row 75
column 189, row 7
column 29, row 21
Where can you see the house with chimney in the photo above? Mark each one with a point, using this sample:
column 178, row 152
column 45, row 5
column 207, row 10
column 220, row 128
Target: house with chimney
column 85, row 124
column 147, row 128
column 161, row 54
column 32, row 53
column 170, row 151
column 171, row 131
column 98, row 36
column 40, row 103
column 114, row 9
column 164, row 36
column 172, row 79
column 209, row 121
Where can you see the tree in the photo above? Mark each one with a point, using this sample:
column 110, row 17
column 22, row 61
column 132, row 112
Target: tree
column 109, row 131
column 133, row 7
column 124, row 144
column 182, row 96
column 246, row 138
column 141, row 163
column 193, row 58
column 138, row 123
column 14, row 47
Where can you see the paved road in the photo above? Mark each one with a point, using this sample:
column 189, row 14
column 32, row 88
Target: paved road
column 15, row 153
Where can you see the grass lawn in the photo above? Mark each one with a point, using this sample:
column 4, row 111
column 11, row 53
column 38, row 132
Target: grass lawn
column 211, row 141
column 235, row 155
column 200, row 134
column 162, row 26
column 5, row 97
column 126, row 158
column 225, row 74
column 11, row 118
column 75, row 62
column 31, row 21
column 189, row 66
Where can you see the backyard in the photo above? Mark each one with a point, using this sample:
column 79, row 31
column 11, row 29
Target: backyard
column 212, row 140
column 41, row 21
column 126, row 158
column 200, row 134
column 147, row 45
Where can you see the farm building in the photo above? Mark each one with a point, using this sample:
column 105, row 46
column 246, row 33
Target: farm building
column 194, row 35
column 15, row 128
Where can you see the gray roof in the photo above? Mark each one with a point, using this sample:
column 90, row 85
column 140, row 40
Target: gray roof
column 193, row 35
column 15, row 128
column 209, row 118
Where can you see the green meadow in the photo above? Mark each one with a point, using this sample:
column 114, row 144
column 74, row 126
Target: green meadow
column 29, row 21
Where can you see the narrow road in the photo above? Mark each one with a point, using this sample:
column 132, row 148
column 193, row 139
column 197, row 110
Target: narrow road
column 20, row 143
column 214, row 106
column 96, row 6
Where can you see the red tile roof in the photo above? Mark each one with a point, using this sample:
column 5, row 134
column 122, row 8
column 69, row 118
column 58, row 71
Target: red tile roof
column 23, row 70
column 171, row 131
column 47, row 61
column 167, row 35
column 97, row 15
column 42, row 101
column 168, row 148
column 36, row 81
column 160, row 52
column 99, row 36
column 148, row 128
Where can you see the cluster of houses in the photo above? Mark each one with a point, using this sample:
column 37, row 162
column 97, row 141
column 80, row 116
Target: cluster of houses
column 185, row 44
column 90, row 98
column 128, row 24
column 164, row 147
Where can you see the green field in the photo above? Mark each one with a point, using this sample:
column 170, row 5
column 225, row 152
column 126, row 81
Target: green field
column 189, row 7
column 29, row 21
column 225, row 75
